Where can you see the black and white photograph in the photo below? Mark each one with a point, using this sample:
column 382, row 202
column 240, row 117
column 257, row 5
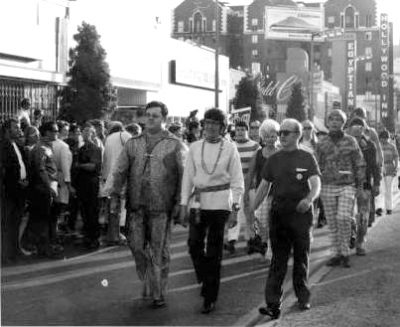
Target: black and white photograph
column 200, row 163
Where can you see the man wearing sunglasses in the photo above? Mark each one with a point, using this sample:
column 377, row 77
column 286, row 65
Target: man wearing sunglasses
column 292, row 176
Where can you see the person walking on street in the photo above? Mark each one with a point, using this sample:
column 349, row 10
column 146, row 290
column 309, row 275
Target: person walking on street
column 293, row 177
column 269, row 138
column 390, row 165
column 371, row 185
column 212, row 187
column 152, row 166
column 247, row 148
column 343, row 176
column 88, row 178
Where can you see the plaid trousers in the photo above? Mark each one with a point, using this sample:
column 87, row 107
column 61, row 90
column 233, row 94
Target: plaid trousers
column 339, row 208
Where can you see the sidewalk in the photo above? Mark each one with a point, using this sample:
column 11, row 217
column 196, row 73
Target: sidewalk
column 367, row 294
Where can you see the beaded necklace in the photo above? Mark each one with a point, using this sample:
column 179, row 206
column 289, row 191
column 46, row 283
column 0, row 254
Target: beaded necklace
column 203, row 164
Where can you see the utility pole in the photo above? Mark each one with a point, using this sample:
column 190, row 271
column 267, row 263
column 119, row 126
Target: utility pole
column 216, row 54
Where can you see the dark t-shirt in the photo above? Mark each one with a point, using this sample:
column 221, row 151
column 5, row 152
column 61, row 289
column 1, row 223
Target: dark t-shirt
column 289, row 172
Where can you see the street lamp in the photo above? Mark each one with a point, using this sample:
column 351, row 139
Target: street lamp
column 216, row 101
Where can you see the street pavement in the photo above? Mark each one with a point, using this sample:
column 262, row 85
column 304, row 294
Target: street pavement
column 102, row 288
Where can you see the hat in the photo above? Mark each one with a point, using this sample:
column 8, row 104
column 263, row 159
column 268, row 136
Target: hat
column 357, row 121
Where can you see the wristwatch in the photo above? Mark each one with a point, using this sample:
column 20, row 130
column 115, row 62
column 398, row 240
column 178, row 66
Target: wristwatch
column 235, row 207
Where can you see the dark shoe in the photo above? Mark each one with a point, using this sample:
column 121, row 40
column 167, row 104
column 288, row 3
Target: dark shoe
column 379, row 212
column 304, row 306
column 267, row 311
column 208, row 307
column 157, row 304
column 361, row 252
column 335, row 261
column 346, row 262
column 388, row 212
column 230, row 247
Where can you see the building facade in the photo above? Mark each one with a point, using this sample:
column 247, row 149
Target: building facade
column 33, row 54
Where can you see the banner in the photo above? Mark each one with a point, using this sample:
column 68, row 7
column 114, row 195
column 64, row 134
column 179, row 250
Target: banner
column 350, row 74
column 384, row 85
column 288, row 23
column 242, row 113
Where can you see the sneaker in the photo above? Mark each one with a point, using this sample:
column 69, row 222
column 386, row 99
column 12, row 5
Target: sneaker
column 230, row 247
column 268, row 311
column 361, row 252
column 379, row 212
column 346, row 262
column 388, row 212
column 334, row 261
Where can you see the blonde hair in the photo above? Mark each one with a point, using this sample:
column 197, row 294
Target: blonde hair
column 267, row 126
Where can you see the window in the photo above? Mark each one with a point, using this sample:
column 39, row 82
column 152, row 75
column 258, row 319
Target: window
column 368, row 20
column 349, row 17
column 254, row 52
column 368, row 36
column 214, row 25
column 254, row 22
column 368, row 66
column 368, row 51
column 254, row 39
column 331, row 20
column 198, row 23
column 180, row 27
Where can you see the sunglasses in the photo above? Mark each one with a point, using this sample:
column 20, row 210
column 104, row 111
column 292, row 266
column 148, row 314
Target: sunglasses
column 285, row 132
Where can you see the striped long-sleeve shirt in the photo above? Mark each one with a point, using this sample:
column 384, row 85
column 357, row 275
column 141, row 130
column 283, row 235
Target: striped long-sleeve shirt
column 246, row 152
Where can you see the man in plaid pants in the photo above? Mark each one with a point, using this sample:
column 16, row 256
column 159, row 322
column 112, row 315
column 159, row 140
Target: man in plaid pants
column 343, row 175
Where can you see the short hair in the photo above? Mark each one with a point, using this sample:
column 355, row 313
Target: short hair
column 384, row 134
column 114, row 127
column 338, row 112
column 88, row 125
column 193, row 125
column 46, row 127
column 25, row 102
column 241, row 123
column 38, row 113
column 30, row 130
column 217, row 115
column 357, row 121
column 61, row 124
column 295, row 123
column 255, row 123
column 73, row 127
column 309, row 122
column 359, row 112
column 153, row 104
column 7, row 124
column 96, row 123
column 267, row 126
column 134, row 129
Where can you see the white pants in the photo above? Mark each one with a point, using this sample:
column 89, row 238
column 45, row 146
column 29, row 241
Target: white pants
column 243, row 220
column 385, row 198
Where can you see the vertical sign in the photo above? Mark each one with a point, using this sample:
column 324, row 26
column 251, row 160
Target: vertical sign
column 350, row 74
column 384, row 85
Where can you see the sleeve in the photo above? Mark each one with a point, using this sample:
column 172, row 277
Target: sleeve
column 313, row 165
column 395, row 153
column 66, row 162
column 376, row 171
column 379, row 151
column 181, row 156
column 187, row 178
column 39, row 161
column 121, row 169
column 96, row 158
column 236, row 173
column 319, row 157
column 358, row 164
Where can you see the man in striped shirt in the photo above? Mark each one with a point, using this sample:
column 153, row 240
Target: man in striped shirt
column 246, row 148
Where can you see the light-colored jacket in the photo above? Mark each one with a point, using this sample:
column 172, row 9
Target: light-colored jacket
column 63, row 160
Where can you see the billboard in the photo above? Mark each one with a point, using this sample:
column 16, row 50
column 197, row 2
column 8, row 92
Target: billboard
column 290, row 23
column 350, row 74
column 384, row 83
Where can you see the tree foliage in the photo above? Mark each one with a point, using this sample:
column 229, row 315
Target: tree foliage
column 296, row 108
column 89, row 93
column 248, row 95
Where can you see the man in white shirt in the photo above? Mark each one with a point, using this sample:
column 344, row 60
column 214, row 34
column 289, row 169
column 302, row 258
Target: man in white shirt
column 13, row 181
column 212, row 187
